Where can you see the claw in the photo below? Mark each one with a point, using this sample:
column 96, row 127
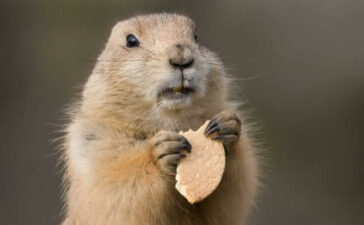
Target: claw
column 213, row 130
column 185, row 141
column 186, row 147
column 177, row 153
column 228, row 137
column 211, row 124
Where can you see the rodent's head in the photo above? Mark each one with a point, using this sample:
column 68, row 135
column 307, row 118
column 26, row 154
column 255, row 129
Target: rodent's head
column 160, row 57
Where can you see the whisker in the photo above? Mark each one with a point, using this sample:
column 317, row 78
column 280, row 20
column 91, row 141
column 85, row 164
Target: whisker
column 127, row 60
column 211, row 63
column 141, row 70
column 146, row 49
column 83, row 57
column 249, row 78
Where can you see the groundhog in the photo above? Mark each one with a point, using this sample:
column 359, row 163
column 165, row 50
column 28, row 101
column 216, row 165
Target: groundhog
column 122, row 146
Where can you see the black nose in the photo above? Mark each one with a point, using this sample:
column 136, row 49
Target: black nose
column 180, row 56
column 181, row 65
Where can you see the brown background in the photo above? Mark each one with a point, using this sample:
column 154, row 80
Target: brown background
column 301, row 65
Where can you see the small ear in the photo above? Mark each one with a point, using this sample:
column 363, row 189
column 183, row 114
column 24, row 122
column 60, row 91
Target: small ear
column 117, row 26
column 193, row 26
column 115, row 34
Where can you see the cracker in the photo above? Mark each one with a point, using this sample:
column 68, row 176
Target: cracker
column 200, row 172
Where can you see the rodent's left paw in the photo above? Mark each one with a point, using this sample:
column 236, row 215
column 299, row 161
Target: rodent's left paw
column 168, row 148
column 224, row 127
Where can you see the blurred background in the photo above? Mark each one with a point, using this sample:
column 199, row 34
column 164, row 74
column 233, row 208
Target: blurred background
column 301, row 65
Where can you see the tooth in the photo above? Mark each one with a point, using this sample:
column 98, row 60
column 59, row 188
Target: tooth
column 177, row 89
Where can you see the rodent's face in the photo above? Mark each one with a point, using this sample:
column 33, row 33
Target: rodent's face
column 160, row 57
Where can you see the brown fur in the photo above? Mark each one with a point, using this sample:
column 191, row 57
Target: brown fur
column 112, row 176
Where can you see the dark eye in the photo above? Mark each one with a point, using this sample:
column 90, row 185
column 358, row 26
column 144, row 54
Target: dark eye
column 195, row 37
column 131, row 41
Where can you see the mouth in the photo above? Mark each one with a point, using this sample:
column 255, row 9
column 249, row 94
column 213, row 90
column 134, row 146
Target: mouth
column 176, row 92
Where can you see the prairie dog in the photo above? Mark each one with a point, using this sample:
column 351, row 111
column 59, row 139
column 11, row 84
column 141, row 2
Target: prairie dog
column 121, row 148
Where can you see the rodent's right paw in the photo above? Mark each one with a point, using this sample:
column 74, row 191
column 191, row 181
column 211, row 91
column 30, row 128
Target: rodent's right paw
column 168, row 149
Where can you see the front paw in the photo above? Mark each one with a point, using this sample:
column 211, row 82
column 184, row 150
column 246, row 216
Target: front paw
column 168, row 149
column 224, row 127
